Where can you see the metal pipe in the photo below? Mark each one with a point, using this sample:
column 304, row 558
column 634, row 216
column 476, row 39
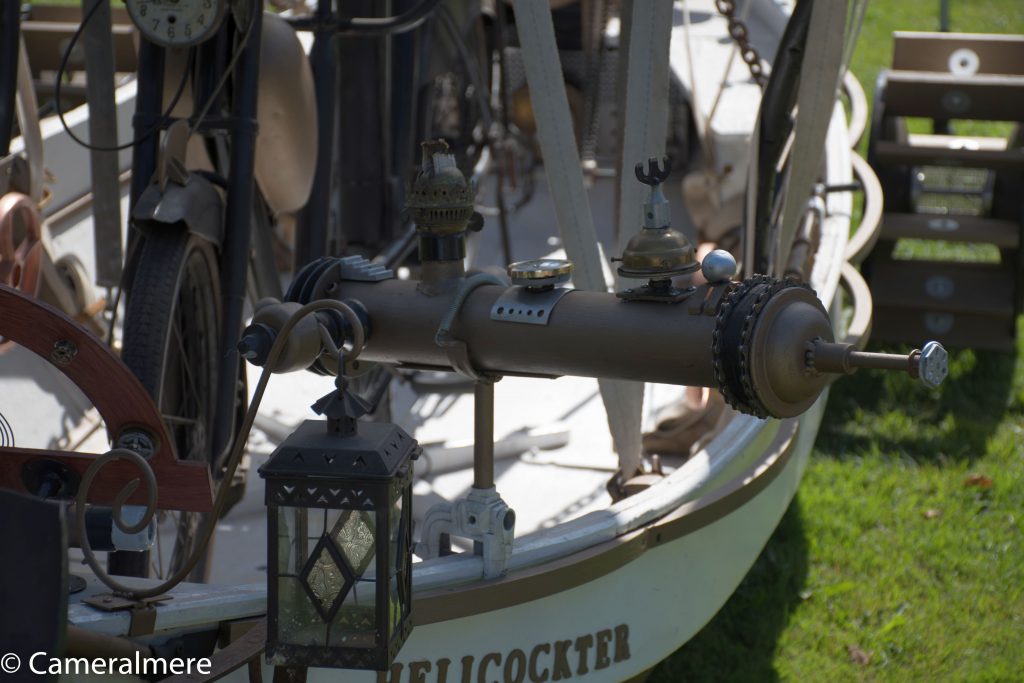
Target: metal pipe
column 483, row 435
column 589, row 334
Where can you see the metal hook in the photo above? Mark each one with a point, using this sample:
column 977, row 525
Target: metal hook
column 654, row 175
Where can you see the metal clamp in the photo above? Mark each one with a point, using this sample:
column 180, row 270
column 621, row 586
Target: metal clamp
column 481, row 516
column 527, row 305
column 456, row 349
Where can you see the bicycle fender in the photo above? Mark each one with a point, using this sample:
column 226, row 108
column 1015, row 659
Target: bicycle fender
column 196, row 205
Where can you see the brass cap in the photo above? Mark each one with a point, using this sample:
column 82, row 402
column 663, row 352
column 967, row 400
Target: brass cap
column 540, row 272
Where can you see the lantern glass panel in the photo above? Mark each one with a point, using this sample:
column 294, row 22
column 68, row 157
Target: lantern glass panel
column 355, row 624
column 397, row 564
column 353, row 532
column 292, row 540
column 298, row 621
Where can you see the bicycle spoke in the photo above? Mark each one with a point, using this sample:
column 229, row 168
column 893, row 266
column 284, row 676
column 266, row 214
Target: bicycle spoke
column 180, row 421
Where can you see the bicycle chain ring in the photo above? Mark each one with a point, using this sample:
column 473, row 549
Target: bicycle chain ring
column 751, row 366
column 21, row 247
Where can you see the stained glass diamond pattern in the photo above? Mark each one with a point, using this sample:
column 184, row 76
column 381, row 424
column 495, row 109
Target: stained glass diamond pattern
column 326, row 578
column 353, row 532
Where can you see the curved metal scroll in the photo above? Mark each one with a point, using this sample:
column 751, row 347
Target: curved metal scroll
column 120, row 398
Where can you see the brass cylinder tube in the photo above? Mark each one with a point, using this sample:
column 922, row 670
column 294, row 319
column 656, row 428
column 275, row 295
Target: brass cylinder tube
column 589, row 334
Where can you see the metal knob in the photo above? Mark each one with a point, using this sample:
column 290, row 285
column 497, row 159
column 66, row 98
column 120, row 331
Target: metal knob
column 718, row 266
column 929, row 364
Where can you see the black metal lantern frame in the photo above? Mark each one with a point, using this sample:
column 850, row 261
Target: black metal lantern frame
column 339, row 564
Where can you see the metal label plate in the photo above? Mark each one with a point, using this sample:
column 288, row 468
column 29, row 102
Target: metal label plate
column 522, row 305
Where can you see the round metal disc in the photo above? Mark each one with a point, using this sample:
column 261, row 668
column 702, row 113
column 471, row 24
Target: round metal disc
column 540, row 271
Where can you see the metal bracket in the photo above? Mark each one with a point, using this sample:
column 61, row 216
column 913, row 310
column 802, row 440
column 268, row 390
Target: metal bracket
column 481, row 516
column 143, row 611
column 527, row 305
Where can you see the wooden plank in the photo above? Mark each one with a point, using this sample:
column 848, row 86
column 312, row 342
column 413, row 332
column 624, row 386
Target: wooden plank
column 976, row 288
column 945, row 52
column 70, row 14
column 888, row 152
column 957, row 142
column 954, row 330
column 1003, row 234
column 979, row 96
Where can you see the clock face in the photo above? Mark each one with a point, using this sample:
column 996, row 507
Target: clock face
column 176, row 23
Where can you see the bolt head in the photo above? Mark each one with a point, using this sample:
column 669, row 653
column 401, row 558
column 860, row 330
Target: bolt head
column 718, row 266
column 933, row 366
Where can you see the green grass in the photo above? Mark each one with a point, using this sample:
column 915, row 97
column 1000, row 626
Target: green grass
column 895, row 562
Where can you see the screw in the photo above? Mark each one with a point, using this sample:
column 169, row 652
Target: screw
column 138, row 441
column 64, row 351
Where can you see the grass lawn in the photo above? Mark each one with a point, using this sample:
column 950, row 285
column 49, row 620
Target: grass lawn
column 901, row 557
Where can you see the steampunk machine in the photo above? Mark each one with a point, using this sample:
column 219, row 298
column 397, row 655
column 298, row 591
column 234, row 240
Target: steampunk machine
column 471, row 466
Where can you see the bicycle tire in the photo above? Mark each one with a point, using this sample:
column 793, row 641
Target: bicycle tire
column 171, row 330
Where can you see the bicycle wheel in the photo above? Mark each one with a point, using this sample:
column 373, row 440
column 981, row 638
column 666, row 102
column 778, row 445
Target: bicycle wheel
column 171, row 330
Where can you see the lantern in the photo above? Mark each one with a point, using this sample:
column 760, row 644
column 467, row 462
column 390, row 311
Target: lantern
column 339, row 505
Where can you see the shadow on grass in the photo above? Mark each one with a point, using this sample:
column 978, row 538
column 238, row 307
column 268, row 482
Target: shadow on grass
column 886, row 412
column 739, row 643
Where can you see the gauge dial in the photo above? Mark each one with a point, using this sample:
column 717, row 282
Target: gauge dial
column 177, row 23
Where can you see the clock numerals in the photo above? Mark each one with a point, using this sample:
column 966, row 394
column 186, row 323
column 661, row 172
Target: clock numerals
column 177, row 23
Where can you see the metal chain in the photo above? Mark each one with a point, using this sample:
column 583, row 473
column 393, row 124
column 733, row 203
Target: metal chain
column 748, row 402
column 739, row 33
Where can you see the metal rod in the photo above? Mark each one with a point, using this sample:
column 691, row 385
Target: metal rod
column 406, row 21
column 148, row 103
column 10, row 25
column 881, row 361
column 311, row 236
column 98, row 42
column 238, row 216
column 483, row 435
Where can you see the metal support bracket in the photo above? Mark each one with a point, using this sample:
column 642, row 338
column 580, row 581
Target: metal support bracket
column 143, row 611
column 527, row 305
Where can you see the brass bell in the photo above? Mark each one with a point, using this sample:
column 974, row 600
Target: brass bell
column 657, row 251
